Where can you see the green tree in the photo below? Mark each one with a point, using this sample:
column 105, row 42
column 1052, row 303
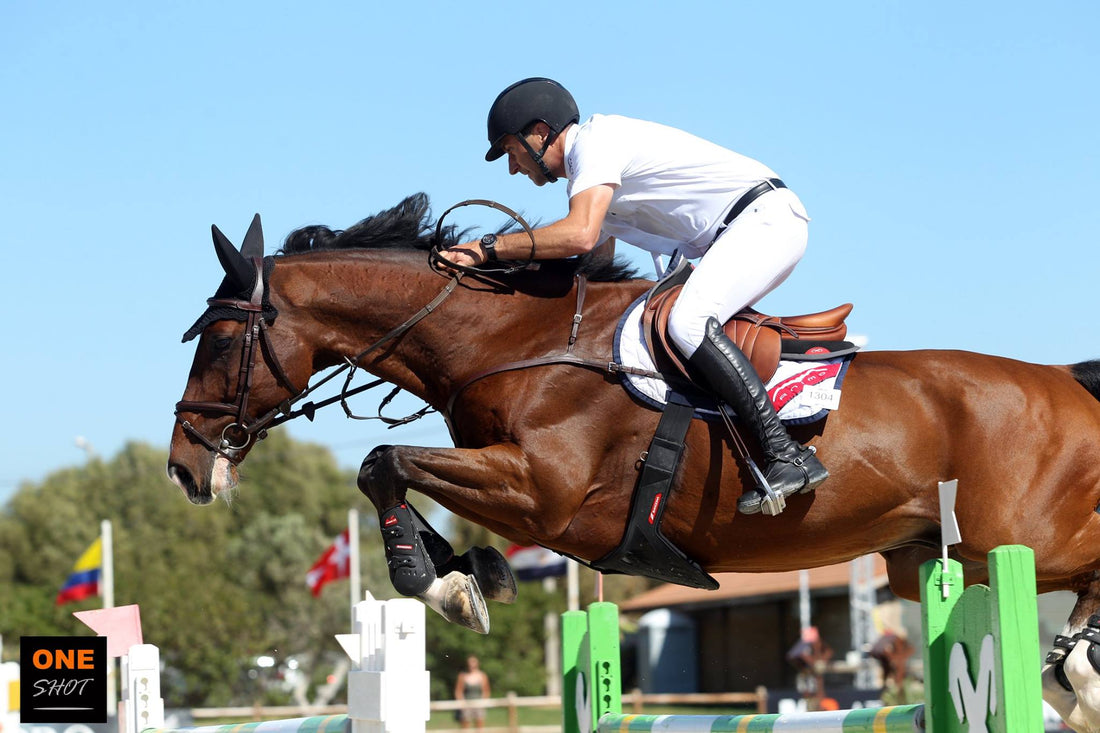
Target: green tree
column 217, row 586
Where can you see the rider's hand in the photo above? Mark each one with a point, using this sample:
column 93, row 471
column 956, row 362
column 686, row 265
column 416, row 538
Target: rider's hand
column 470, row 254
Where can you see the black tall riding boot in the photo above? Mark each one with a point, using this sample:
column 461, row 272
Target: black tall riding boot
column 791, row 468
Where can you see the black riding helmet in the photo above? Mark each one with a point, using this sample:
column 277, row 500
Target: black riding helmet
column 530, row 100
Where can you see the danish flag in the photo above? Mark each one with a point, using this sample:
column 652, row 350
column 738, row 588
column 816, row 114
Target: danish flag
column 532, row 562
column 332, row 565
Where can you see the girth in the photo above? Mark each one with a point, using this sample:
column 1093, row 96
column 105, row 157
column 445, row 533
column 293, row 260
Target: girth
column 644, row 550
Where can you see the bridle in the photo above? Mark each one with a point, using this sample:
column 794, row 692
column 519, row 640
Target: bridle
column 239, row 434
column 256, row 339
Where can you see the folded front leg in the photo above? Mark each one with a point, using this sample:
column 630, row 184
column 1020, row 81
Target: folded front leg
column 421, row 562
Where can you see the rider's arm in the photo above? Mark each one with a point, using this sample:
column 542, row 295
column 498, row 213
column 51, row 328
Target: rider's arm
column 577, row 233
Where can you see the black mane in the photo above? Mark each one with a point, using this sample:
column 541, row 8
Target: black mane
column 409, row 225
column 1087, row 373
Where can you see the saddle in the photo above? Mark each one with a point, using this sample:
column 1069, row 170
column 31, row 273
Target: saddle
column 762, row 338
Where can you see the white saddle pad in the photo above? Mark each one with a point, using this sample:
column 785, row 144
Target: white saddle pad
column 802, row 391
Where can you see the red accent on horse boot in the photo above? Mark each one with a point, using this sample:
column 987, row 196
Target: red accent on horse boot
column 411, row 571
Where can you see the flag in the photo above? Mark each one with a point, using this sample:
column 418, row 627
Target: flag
column 121, row 626
column 534, row 562
column 332, row 565
column 85, row 577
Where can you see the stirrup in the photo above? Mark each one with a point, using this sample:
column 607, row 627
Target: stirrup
column 773, row 502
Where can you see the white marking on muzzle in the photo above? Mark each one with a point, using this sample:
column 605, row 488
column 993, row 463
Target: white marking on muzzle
column 222, row 477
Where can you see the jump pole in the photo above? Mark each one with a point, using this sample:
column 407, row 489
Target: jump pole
column 316, row 724
column 388, row 687
column 981, row 666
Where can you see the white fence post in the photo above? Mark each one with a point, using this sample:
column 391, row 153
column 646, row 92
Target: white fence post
column 141, row 705
column 388, row 690
column 9, row 676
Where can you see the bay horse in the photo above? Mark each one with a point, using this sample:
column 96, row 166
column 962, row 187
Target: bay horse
column 549, row 453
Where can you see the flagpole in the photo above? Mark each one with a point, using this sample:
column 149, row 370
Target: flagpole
column 107, row 594
column 353, row 561
column 108, row 570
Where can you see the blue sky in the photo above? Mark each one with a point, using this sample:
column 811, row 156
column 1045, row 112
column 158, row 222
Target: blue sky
column 947, row 153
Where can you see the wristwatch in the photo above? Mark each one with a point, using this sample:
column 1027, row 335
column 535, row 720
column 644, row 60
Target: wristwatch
column 489, row 244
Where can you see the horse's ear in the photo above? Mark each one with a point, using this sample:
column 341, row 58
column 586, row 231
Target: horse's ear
column 254, row 240
column 238, row 269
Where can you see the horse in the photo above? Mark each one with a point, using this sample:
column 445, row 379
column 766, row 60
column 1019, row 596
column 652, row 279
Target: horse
column 548, row 445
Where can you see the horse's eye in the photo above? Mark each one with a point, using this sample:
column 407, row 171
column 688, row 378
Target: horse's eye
column 221, row 344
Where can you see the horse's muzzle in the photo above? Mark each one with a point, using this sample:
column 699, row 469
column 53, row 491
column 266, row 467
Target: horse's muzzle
column 183, row 478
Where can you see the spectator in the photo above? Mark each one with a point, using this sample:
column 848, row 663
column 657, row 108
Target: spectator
column 810, row 657
column 472, row 684
column 893, row 651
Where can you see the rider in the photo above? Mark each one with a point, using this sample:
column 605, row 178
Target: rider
column 663, row 190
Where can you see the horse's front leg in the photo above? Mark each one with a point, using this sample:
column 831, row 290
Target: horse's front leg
column 1071, row 675
column 421, row 562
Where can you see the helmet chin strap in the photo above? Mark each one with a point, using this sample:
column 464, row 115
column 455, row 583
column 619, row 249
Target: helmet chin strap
column 537, row 157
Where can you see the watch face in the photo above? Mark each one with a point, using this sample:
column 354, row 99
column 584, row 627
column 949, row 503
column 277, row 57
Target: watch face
column 489, row 244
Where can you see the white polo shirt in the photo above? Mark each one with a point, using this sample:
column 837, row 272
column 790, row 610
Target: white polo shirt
column 672, row 189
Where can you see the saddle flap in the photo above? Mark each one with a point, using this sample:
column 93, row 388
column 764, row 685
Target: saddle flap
column 655, row 328
column 760, row 344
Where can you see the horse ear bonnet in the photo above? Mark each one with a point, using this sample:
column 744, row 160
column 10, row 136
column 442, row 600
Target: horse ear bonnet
column 239, row 280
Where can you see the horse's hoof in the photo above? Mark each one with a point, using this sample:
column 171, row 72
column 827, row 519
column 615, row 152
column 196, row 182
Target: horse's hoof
column 493, row 573
column 457, row 598
column 1055, row 693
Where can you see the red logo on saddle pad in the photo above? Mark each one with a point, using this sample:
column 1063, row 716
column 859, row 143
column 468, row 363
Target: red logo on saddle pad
column 791, row 387
column 817, row 350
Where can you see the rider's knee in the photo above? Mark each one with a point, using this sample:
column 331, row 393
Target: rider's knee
column 687, row 329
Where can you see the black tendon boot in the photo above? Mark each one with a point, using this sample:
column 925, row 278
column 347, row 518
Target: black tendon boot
column 791, row 468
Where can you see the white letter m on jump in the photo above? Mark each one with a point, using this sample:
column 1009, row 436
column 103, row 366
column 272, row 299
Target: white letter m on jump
column 973, row 702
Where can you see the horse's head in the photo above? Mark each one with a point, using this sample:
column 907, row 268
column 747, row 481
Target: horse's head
column 238, row 379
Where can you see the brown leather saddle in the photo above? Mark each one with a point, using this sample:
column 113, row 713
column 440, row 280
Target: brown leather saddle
column 762, row 338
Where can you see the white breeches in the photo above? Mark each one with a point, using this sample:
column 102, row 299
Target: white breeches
column 752, row 257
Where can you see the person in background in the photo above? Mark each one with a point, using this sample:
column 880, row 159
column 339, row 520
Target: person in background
column 893, row 651
column 810, row 656
column 472, row 684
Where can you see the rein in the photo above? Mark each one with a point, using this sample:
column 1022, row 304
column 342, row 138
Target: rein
column 568, row 357
column 602, row 365
column 440, row 265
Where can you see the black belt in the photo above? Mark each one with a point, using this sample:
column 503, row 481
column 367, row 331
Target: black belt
column 747, row 198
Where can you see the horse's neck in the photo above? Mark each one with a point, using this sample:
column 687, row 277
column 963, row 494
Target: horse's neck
column 472, row 330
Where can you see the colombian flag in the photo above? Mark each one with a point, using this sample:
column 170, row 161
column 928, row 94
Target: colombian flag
column 84, row 580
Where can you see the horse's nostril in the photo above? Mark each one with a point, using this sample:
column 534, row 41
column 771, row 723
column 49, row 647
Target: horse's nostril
column 179, row 475
column 183, row 478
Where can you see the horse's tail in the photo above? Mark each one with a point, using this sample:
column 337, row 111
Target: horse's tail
column 1088, row 374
